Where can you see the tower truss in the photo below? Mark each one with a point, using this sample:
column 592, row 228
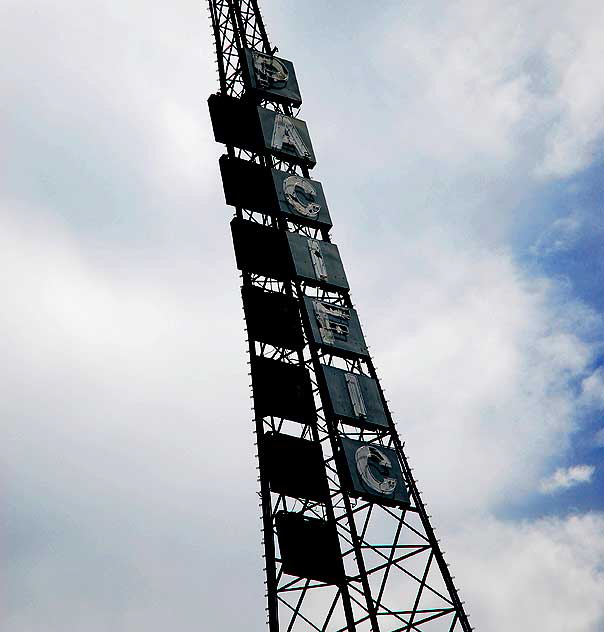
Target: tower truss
column 348, row 543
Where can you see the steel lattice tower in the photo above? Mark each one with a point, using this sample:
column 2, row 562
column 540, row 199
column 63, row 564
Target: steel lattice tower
column 348, row 543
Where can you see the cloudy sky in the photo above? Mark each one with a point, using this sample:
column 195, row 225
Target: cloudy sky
column 460, row 147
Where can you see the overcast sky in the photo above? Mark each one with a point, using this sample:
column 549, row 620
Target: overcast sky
column 460, row 148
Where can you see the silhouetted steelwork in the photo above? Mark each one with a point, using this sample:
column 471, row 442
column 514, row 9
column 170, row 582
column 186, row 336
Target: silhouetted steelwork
column 347, row 541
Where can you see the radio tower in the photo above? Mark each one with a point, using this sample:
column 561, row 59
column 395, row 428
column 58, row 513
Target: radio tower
column 348, row 544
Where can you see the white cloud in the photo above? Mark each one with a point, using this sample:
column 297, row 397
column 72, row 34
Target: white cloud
column 478, row 362
column 552, row 571
column 579, row 97
column 128, row 465
column 592, row 389
column 493, row 81
column 566, row 477
column 475, row 356
column 559, row 237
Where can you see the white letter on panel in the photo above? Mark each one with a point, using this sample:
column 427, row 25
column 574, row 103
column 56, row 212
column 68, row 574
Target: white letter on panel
column 286, row 133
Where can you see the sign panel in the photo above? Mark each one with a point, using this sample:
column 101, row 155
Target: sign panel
column 247, row 126
column 235, row 122
column 286, row 137
column 335, row 328
column 353, row 398
column 282, row 390
column 272, row 318
column 247, row 185
column 261, row 249
column 301, row 198
column 269, row 252
column 309, row 548
column 257, row 188
column 372, row 472
column 317, row 262
column 295, row 467
column 271, row 78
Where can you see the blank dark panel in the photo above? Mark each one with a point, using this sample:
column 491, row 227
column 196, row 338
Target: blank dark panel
column 248, row 185
column 317, row 262
column 353, row 398
column 309, row 548
column 335, row 328
column 273, row 318
column 260, row 249
column 272, row 78
column 282, row 390
column 372, row 472
column 235, row 122
column 295, row 467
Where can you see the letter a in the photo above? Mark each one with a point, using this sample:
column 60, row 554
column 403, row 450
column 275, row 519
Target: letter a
column 286, row 137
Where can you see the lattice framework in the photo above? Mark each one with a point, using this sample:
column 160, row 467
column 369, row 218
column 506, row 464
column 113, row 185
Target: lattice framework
column 397, row 579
